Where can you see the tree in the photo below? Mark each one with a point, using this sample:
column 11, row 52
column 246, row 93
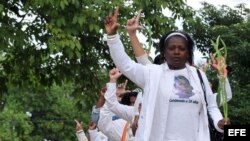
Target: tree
column 233, row 26
column 46, row 45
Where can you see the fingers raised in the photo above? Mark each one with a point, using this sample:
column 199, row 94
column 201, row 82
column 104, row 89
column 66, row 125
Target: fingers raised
column 116, row 12
column 138, row 15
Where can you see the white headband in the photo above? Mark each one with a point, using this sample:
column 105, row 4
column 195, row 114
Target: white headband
column 175, row 33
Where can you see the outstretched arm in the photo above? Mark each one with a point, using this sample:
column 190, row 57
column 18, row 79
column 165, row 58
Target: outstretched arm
column 112, row 129
column 111, row 24
column 132, row 26
column 135, row 72
column 79, row 132
column 123, row 111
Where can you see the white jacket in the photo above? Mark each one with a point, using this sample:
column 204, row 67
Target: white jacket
column 81, row 136
column 97, row 135
column 123, row 111
column 147, row 77
column 114, row 129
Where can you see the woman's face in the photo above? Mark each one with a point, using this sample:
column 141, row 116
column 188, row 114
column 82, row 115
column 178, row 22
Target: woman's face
column 176, row 52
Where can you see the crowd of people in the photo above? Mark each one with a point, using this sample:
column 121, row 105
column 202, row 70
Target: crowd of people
column 171, row 105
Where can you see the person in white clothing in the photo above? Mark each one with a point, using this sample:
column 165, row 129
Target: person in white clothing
column 128, row 112
column 165, row 115
column 79, row 132
column 142, row 57
column 96, row 135
column 118, row 129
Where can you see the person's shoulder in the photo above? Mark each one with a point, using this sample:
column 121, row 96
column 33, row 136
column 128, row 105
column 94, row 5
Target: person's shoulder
column 195, row 69
column 155, row 66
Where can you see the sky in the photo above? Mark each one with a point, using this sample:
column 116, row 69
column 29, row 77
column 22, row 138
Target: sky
column 196, row 4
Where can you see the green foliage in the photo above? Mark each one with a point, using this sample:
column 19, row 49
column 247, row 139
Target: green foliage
column 52, row 113
column 54, row 60
column 14, row 124
column 233, row 26
column 239, row 110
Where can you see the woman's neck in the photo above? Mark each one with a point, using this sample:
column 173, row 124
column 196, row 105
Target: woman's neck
column 177, row 68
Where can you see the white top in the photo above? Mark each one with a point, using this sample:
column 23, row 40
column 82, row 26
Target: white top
column 123, row 111
column 184, row 102
column 81, row 136
column 97, row 135
column 149, row 78
column 145, row 61
column 113, row 129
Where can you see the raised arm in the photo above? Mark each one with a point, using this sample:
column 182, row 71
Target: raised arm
column 123, row 111
column 79, row 132
column 113, row 129
column 132, row 26
column 135, row 72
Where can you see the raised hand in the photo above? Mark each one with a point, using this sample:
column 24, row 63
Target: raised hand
column 78, row 126
column 121, row 88
column 110, row 22
column 133, row 24
column 114, row 74
column 219, row 65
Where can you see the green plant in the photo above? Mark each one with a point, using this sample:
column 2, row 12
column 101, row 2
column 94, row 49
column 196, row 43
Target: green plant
column 221, row 55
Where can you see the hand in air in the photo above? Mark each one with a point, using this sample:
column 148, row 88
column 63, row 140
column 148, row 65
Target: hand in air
column 110, row 22
column 133, row 24
column 219, row 65
column 121, row 88
column 114, row 74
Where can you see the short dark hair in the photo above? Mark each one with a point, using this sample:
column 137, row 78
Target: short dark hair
column 190, row 42
column 126, row 97
column 159, row 59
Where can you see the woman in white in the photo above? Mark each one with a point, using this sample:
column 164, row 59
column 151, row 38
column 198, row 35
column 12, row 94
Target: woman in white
column 166, row 116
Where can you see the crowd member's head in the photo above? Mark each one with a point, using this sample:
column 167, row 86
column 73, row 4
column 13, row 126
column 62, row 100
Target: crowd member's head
column 159, row 59
column 177, row 49
column 129, row 98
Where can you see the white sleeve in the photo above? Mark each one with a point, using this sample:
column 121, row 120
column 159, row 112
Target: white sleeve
column 123, row 111
column 112, row 129
column 94, row 136
column 143, row 59
column 81, row 136
column 134, row 71
column 213, row 109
